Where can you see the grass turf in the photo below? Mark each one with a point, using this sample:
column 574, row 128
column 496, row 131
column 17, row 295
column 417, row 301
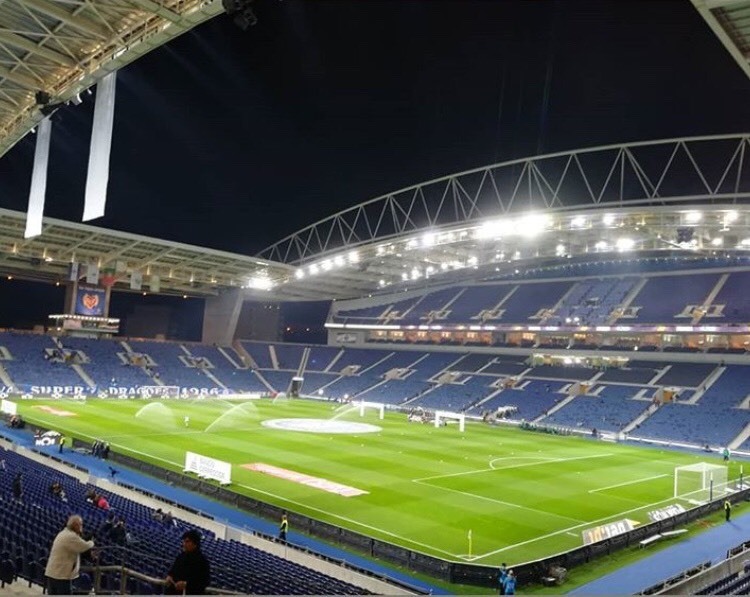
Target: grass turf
column 523, row 495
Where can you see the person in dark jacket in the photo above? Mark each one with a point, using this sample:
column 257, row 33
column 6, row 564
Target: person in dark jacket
column 191, row 573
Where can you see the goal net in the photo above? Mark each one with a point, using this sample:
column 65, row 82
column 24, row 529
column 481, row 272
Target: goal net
column 372, row 405
column 701, row 482
column 443, row 416
column 159, row 391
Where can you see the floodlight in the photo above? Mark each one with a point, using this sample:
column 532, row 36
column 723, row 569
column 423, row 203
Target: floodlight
column 532, row 225
column 339, row 260
column 601, row 246
column 578, row 222
column 693, row 217
column 314, row 269
column 326, row 265
column 353, row 257
column 381, row 282
column 625, row 244
column 560, row 250
column 299, row 274
column 493, row 229
column 718, row 241
column 260, row 283
column 404, row 276
column 730, row 216
column 608, row 219
column 428, row 239
column 472, row 260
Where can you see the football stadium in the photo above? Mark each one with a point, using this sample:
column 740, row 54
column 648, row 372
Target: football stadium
column 532, row 376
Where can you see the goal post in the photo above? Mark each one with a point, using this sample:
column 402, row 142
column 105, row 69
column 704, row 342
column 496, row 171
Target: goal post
column 441, row 415
column 701, row 482
column 380, row 407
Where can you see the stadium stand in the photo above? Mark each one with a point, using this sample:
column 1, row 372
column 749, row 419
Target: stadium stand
column 29, row 525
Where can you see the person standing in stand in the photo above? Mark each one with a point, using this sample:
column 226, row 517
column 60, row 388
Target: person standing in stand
column 727, row 510
column 191, row 572
column 283, row 527
column 65, row 557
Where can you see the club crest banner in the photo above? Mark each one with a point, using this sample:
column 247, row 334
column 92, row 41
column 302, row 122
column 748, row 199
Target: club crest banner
column 90, row 301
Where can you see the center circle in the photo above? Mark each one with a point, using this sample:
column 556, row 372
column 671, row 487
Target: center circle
column 320, row 426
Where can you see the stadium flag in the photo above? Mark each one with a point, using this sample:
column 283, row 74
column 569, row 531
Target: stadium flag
column 92, row 273
column 155, row 284
column 101, row 144
column 73, row 268
column 38, row 180
column 136, row 281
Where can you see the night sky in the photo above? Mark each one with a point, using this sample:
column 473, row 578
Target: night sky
column 232, row 139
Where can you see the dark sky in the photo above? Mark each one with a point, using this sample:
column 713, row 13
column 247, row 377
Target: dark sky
column 233, row 139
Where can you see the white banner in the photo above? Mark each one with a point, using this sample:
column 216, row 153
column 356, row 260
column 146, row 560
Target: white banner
column 101, row 144
column 6, row 406
column 38, row 180
column 208, row 468
column 136, row 281
column 92, row 274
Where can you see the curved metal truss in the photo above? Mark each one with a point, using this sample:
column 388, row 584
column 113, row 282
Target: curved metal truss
column 63, row 47
column 706, row 169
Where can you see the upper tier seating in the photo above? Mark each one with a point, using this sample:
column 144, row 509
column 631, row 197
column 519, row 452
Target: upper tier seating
column 171, row 368
column 735, row 300
column 260, row 353
column 29, row 367
column 611, row 409
column 663, row 298
column 105, row 367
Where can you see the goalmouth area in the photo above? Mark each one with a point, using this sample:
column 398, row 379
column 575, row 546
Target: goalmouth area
column 520, row 495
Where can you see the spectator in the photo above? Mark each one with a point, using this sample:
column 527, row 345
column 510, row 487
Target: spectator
column 91, row 496
column 118, row 534
column 113, row 473
column 65, row 557
column 191, row 572
column 169, row 519
column 158, row 515
column 106, row 529
column 102, row 503
column 283, row 527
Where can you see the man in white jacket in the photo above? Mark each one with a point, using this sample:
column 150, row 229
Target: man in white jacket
column 65, row 557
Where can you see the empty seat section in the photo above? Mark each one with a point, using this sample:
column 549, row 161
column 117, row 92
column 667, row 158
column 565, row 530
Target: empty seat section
column 529, row 299
column 259, row 353
column 663, row 298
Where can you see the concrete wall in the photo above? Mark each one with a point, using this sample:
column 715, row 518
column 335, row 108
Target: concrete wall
column 220, row 317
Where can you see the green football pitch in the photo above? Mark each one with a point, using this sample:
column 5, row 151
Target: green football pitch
column 523, row 495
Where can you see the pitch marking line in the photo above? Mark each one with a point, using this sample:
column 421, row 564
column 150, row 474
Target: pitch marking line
column 326, row 512
column 569, row 529
column 501, row 502
column 643, row 480
column 505, row 468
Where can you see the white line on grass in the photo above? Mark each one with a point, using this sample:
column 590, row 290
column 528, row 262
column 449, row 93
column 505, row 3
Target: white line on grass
column 501, row 502
column 505, row 468
column 643, row 480
column 326, row 512
column 561, row 531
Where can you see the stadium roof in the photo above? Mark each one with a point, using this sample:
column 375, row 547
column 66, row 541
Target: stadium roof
column 181, row 268
column 730, row 21
column 63, row 47
column 678, row 196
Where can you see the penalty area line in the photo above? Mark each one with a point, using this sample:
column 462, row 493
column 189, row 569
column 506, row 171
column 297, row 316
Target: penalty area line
column 626, row 483
column 569, row 529
column 512, row 466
